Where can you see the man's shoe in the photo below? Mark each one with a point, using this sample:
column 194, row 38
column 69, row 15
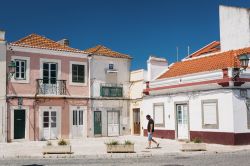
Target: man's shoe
column 158, row 145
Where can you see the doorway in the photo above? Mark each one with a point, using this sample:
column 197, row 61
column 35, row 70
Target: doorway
column 97, row 123
column 19, row 124
column 182, row 121
column 136, row 121
column 77, row 123
column 113, row 123
column 50, row 124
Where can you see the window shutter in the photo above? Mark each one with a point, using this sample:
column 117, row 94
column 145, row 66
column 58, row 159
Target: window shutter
column 209, row 113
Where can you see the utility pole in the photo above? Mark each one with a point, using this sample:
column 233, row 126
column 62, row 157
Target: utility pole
column 177, row 54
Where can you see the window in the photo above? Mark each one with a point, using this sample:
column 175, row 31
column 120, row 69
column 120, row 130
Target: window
column 49, row 73
column 210, row 114
column 111, row 66
column 111, row 91
column 159, row 115
column 78, row 73
column 20, row 69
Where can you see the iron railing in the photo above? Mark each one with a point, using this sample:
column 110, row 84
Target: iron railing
column 51, row 87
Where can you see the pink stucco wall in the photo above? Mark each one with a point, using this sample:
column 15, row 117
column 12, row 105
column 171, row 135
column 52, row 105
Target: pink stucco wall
column 30, row 88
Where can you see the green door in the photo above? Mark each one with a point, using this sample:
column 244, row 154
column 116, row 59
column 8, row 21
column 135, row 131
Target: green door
column 97, row 122
column 19, row 124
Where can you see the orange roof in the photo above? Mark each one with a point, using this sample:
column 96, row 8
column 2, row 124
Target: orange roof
column 210, row 48
column 37, row 41
column 217, row 61
column 101, row 50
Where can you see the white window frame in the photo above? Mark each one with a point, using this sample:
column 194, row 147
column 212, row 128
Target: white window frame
column 159, row 124
column 27, row 71
column 210, row 126
column 43, row 60
column 85, row 73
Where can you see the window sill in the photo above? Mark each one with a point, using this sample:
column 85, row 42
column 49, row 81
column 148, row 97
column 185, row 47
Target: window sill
column 20, row 81
column 77, row 84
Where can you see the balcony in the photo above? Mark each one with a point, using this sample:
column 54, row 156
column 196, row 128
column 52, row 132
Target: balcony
column 111, row 90
column 51, row 87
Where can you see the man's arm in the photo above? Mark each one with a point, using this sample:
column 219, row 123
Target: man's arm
column 151, row 128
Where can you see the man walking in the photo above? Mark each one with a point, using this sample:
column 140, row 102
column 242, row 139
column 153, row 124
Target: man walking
column 150, row 132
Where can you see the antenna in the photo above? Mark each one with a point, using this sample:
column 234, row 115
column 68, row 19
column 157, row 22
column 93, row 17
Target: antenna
column 177, row 54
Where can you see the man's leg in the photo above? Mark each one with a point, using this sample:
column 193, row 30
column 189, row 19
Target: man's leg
column 149, row 140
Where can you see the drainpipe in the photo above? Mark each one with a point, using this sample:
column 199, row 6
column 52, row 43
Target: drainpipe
column 90, row 91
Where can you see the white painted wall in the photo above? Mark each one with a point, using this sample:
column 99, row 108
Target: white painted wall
column 234, row 27
column 3, row 79
column 156, row 66
column 240, row 113
column 225, row 108
column 100, row 64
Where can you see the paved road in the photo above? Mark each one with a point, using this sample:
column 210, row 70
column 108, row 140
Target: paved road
column 241, row 158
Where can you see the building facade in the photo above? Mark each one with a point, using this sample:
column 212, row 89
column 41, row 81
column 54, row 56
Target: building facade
column 206, row 95
column 48, row 95
column 109, row 92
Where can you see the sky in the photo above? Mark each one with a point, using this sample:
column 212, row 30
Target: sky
column 139, row 28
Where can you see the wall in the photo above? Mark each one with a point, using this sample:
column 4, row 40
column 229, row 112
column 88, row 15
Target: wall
column 3, row 77
column 156, row 66
column 234, row 27
column 100, row 64
column 194, row 99
column 30, row 88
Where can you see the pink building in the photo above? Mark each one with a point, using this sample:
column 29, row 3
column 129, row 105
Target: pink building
column 48, row 95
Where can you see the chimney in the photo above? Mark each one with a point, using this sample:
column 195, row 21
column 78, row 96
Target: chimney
column 234, row 27
column 156, row 66
column 64, row 42
column 2, row 35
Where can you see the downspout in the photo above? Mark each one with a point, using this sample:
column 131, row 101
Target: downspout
column 90, row 91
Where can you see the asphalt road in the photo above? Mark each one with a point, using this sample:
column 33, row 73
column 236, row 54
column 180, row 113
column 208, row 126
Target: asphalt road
column 241, row 158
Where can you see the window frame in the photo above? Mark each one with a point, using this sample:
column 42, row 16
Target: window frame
column 71, row 73
column 77, row 76
column 20, row 70
column 26, row 72
column 210, row 126
column 163, row 123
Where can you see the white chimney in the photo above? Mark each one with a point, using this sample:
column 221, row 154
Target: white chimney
column 64, row 42
column 234, row 27
column 2, row 35
column 156, row 66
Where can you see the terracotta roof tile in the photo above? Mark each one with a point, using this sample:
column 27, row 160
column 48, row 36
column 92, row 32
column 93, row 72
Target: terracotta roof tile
column 104, row 51
column 210, row 48
column 213, row 62
column 37, row 41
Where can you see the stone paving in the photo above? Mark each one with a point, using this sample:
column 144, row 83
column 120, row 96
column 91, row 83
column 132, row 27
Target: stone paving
column 95, row 148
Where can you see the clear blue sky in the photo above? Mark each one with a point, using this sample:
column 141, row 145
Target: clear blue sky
column 136, row 27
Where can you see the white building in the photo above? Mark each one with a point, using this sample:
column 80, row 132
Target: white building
column 138, row 78
column 109, row 92
column 3, row 77
column 205, row 95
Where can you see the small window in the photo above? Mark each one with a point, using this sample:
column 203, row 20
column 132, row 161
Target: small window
column 20, row 73
column 159, row 115
column 111, row 66
column 210, row 114
column 78, row 73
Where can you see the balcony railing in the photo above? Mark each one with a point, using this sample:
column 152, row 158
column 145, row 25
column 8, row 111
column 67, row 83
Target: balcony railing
column 111, row 90
column 51, row 87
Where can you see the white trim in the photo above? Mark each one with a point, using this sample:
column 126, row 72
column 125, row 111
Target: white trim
column 27, row 72
column 44, row 60
column 85, row 118
column 47, row 51
column 49, row 96
column 58, row 109
column 85, row 73
column 27, row 118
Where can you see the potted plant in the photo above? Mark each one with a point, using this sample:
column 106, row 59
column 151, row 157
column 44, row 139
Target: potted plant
column 195, row 145
column 116, row 147
column 62, row 147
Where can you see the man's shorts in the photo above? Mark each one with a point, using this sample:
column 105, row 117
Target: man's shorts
column 150, row 137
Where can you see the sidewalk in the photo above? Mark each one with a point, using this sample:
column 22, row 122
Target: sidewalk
column 95, row 148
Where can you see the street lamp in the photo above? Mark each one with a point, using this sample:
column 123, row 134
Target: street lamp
column 12, row 68
column 244, row 61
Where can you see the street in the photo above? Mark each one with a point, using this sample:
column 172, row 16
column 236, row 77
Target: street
column 240, row 158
